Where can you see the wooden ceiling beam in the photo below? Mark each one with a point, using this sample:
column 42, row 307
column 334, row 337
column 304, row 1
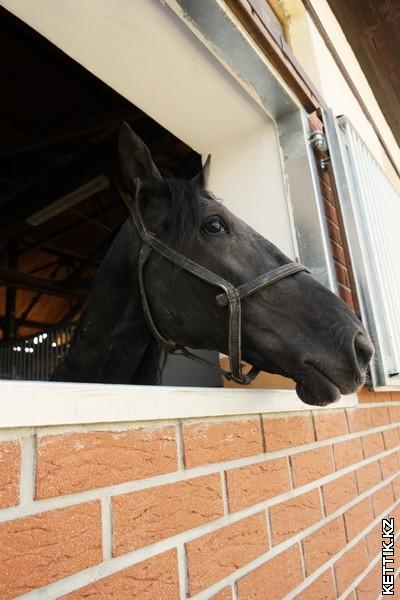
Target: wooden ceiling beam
column 62, row 253
column 71, row 314
column 61, row 182
column 30, row 324
column 16, row 279
column 107, row 121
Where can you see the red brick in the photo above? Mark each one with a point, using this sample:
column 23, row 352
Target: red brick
column 359, row 419
column 394, row 412
column 347, row 453
column 330, row 211
column 382, row 499
column 256, row 483
column 365, row 395
column 350, row 566
column 311, row 465
column 206, row 443
column 330, row 424
column 391, row 438
column 279, row 576
column 334, row 232
column 339, row 492
column 294, row 515
column 287, row 431
column 225, row 594
column 346, row 295
column 328, row 196
column 371, row 586
column 338, row 252
column 374, row 541
column 151, row 579
column 218, row 554
column 342, row 274
column 358, row 517
column 383, row 396
column 396, row 488
column 372, row 444
column 144, row 517
column 323, row 588
column 40, row 549
column 324, row 543
column 10, row 465
column 389, row 465
column 395, row 513
column 79, row 461
column 379, row 416
column 368, row 476
column 370, row 396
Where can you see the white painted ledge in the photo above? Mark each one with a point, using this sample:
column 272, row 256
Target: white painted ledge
column 29, row 404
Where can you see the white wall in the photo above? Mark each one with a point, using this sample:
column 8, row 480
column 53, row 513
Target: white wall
column 142, row 50
column 248, row 174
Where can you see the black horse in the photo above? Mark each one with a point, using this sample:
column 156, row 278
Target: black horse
column 158, row 283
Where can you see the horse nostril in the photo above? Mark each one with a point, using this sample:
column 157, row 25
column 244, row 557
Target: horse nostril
column 364, row 350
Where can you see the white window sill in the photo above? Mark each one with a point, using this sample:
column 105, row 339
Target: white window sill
column 29, row 404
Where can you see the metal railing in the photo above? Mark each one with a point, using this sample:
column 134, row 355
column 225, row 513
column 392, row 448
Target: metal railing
column 370, row 206
column 35, row 357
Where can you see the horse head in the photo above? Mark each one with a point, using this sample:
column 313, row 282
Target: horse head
column 295, row 327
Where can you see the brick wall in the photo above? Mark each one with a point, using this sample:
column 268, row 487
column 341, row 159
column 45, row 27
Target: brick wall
column 335, row 226
column 258, row 507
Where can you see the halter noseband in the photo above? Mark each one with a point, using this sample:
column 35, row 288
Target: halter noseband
column 230, row 296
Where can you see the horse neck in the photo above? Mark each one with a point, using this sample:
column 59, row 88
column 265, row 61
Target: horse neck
column 111, row 337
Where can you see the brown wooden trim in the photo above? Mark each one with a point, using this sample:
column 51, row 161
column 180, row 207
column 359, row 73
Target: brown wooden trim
column 40, row 325
column 278, row 53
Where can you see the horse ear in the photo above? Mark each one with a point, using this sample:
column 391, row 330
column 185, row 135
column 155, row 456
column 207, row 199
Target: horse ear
column 201, row 178
column 135, row 158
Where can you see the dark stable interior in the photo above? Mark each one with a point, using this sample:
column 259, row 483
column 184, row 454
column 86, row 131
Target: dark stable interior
column 58, row 149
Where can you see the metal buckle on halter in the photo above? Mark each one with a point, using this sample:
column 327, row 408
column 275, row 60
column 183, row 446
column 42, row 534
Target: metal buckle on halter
column 245, row 378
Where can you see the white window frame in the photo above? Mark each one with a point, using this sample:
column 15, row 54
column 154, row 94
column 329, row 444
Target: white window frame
column 38, row 404
column 211, row 22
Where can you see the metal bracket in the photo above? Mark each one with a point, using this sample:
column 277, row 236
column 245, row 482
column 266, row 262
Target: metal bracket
column 318, row 141
column 324, row 162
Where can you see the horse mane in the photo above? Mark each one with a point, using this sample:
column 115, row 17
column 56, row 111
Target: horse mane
column 183, row 218
column 150, row 368
column 182, row 222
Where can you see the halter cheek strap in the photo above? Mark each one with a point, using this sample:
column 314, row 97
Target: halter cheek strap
column 230, row 296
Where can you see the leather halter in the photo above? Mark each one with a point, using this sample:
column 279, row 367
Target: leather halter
column 230, row 295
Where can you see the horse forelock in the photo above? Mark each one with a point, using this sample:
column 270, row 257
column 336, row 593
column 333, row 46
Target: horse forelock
column 183, row 218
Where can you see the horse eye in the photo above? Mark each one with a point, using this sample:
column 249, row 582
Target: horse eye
column 215, row 226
